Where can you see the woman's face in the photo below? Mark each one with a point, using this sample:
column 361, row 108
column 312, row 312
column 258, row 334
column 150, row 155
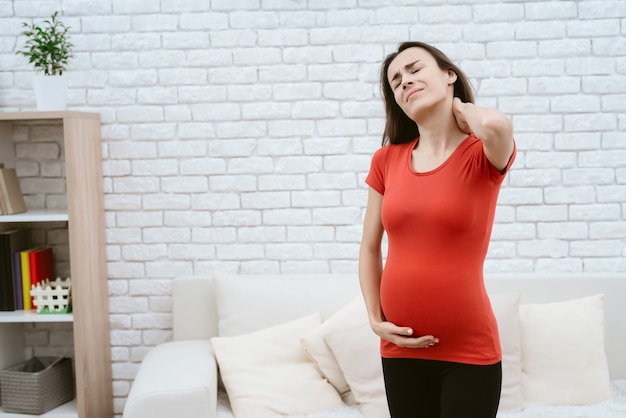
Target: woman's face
column 417, row 82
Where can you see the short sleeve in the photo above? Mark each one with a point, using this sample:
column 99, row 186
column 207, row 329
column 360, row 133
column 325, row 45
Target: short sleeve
column 376, row 177
column 498, row 176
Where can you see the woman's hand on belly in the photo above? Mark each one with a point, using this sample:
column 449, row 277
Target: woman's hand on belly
column 402, row 336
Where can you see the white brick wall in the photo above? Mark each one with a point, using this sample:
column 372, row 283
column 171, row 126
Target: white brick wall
column 237, row 134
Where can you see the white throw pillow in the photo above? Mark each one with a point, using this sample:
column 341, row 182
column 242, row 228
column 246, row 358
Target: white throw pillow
column 357, row 351
column 268, row 373
column 506, row 309
column 563, row 357
column 348, row 317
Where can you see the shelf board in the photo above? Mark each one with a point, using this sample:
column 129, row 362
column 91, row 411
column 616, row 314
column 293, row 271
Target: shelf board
column 56, row 215
column 9, row 116
column 13, row 317
column 67, row 410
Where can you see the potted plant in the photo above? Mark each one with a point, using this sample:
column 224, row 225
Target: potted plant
column 48, row 48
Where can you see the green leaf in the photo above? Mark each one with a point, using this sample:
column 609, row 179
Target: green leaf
column 48, row 48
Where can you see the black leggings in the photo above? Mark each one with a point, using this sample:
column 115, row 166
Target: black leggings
column 439, row 389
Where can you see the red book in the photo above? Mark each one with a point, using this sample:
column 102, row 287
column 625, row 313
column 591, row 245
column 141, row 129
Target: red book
column 41, row 266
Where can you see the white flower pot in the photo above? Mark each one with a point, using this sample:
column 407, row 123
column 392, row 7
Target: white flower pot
column 50, row 92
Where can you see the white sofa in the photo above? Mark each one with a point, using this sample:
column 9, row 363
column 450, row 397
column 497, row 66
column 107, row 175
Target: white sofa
column 181, row 378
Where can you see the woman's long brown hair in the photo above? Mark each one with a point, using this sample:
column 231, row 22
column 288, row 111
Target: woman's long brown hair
column 399, row 128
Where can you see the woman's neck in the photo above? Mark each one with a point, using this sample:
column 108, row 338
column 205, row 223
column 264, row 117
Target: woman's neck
column 441, row 133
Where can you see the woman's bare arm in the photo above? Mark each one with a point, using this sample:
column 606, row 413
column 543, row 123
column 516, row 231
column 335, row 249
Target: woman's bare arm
column 370, row 273
column 491, row 126
column 370, row 257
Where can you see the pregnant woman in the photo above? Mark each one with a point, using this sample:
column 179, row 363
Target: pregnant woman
column 433, row 188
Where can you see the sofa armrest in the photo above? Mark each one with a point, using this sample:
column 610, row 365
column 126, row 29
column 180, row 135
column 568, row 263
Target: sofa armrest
column 175, row 379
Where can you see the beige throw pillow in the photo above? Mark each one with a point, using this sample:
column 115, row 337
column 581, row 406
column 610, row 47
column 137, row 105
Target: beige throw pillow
column 350, row 316
column 563, row 357
column 357, row 351
column 268, row 373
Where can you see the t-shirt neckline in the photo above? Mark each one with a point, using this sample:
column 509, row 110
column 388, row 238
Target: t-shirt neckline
column 464, row 144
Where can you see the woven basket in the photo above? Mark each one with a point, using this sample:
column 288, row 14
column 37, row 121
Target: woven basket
column 27, row 392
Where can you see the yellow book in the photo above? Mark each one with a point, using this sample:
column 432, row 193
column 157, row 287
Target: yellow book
column 25, row 264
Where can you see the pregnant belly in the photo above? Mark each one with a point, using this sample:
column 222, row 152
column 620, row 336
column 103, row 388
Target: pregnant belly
column 451, row 306
column 446, row 307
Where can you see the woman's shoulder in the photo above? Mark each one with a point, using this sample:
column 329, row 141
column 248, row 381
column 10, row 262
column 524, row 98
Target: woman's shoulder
column 389, row 152
column 471, row 143
column 397, row 147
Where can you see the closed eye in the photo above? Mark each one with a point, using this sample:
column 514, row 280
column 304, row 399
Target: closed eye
column 408, row 67
column 399, row 81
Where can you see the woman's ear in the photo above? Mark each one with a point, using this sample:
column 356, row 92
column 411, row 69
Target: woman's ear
column 452, row 77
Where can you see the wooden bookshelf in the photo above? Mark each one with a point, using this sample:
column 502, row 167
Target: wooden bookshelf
column 85, row 222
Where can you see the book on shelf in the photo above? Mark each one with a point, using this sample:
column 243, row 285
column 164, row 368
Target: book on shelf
column 7, row 301
column 41, row 268
column 35, row 266
column 11, row 192
column 2, row 207
column 25, row 268
column 17, row 280
column 12, row 241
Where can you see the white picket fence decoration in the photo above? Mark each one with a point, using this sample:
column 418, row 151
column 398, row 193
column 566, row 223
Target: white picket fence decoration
column 52, row 296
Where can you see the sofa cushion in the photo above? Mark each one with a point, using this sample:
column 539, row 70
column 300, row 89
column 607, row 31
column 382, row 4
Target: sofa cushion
column 348, row 317
column 247, row 303
column 563, row 357
column 267, row 372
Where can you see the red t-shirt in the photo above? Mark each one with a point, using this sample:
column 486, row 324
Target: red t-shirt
column 438, row 226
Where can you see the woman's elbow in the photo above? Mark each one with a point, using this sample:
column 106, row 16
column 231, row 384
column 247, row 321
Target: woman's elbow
column 498, row 128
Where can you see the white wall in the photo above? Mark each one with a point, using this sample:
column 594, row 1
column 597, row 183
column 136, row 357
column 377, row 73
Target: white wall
column 238, row 133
